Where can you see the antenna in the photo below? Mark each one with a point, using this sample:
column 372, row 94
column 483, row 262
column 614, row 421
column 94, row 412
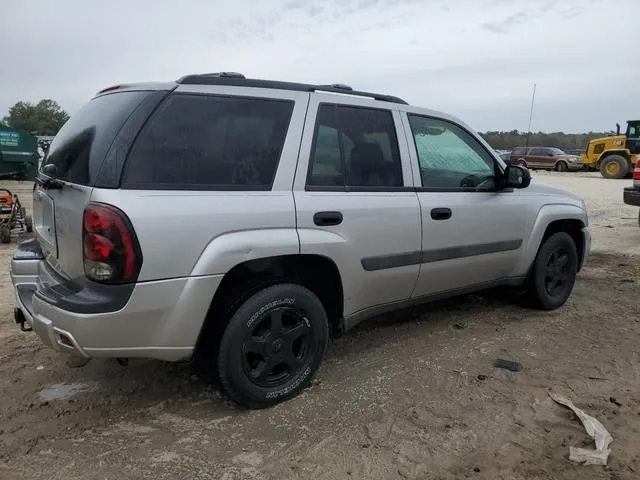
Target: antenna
column 533, row 98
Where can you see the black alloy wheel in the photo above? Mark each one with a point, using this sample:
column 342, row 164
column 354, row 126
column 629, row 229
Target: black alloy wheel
column 557, row 272
column 273, row 345
column 554, row 272
column 276, row 348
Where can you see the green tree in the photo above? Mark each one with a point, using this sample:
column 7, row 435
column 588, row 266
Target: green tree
column 44, row 118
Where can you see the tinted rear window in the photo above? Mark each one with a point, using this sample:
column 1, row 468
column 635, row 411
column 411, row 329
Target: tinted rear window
column 210, row 142
column 80, row 146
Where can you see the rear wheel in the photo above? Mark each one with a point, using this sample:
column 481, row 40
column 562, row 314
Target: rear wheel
column 614, row 166
column 554, row 272
column 5, row 233
column 562, row 166
column 273, row 345
column 28, row 223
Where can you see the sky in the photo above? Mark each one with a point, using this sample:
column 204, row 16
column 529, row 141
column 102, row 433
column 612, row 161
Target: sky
column 476, row 59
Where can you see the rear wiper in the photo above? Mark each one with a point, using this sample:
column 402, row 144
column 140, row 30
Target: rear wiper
column 50, row 170
column 50, row 183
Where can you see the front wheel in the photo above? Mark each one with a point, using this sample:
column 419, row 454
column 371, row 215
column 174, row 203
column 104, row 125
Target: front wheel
column 273, row 345
column 562, row 167
column 5, row 233
column 554, row 272
column 614, row 166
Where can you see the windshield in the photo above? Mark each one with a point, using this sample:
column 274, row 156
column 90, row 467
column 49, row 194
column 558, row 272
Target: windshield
column 82, row 143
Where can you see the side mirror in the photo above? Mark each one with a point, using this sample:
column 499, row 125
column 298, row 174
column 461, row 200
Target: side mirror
column 516, row 176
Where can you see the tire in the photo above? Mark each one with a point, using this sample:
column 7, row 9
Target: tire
column 5, row 234
column 638, row 218
column 544, row 291
column 28, row 223
column 562, row 166
column 263, row 361
column 614, row 167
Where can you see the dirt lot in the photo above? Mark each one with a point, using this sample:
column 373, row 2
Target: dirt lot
column 409, row 396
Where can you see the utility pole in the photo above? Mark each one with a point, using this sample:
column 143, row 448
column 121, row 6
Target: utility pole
column 533, row 98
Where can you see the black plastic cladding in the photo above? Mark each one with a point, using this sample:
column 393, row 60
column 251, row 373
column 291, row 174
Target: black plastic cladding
column 237, row 81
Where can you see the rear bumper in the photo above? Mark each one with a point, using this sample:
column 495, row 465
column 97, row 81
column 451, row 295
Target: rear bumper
column 160, row 319
column 631, row 196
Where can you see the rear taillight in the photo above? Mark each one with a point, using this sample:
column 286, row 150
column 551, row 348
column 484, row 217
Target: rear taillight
column 636, row 173
column 110, row 248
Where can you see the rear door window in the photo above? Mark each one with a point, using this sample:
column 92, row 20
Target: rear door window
column 81, row 145
column 354, row 147
column 205, row 142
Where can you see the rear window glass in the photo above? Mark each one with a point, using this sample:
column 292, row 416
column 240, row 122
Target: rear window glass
column 205, row 142
column 80, row 146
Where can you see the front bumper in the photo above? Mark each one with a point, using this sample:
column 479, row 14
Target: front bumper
column 631, row 196
column 575, row 167
column 586, row 237
column 159, row 319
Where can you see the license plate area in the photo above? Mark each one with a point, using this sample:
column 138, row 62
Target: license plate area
column 45, row 222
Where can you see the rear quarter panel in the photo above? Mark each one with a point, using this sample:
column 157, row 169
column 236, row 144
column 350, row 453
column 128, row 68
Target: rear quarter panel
column 215, row 230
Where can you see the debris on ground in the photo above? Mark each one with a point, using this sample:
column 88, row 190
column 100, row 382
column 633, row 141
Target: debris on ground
column 595, row 430
column 508, row 365
column 615, row 402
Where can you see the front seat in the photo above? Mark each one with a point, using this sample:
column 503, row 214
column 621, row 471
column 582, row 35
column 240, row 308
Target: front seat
column 368, row 168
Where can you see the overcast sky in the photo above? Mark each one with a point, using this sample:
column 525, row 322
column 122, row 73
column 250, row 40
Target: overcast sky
column 477, row 59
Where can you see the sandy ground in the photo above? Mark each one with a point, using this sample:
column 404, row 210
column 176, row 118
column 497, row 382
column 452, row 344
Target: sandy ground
column 614, row 224
column 410, row 396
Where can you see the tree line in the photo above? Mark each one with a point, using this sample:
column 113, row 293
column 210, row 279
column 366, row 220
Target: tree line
column 561, row 140
column 43, row 118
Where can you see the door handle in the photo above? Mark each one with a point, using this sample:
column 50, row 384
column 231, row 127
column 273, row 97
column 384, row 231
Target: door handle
column 441, row 213
column 324, row 219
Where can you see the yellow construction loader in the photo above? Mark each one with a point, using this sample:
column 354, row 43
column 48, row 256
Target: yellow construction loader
column 614, row 156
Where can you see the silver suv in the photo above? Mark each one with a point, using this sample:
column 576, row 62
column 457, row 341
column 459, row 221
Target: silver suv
column 240, row 223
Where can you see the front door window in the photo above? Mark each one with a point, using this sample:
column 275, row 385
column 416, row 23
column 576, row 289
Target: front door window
column 449, row 157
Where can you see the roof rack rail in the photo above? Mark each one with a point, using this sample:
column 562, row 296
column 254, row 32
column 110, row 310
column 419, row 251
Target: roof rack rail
column 233, row 79
column 215, row 75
